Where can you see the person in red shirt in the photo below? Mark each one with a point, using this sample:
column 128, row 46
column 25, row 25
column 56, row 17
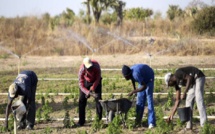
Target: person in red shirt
column 90, row 84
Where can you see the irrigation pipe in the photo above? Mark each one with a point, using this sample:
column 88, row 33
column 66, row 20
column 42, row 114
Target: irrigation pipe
column 76, row 119
column 76, row 79
column 105, row 94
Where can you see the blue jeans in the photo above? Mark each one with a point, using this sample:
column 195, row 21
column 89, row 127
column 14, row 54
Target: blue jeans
column 140, row 104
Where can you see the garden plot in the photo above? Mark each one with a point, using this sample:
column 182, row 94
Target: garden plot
column 55, row 106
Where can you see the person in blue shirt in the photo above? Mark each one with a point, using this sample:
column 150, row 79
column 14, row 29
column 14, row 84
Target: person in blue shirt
column 23, row 86
column 144, row 76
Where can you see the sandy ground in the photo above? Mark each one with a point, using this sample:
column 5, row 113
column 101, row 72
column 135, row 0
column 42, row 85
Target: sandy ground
column 106, row 61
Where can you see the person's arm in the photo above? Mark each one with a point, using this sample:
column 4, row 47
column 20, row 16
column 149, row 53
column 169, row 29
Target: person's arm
column 133, row 84
column 177, row 102
column 81, row 80
column 7, row 112
column 141, row 88
column 188, row 84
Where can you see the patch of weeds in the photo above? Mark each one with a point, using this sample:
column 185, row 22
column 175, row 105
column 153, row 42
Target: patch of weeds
column 115, row 126
column 211, row 111
column 39, row 115
column 97, row 124
column 42, row 100
column 207, row 129
column 47, row 130
column 179, row 124
column 169, row 102
column 3, row 129
column 82, row 132
column 72, row 122
column 162, row 126
column 132, row 112
column 4, row 56
column 65, row 103
column 158, row 98
column 67, row 89
column 75, row 101
column 210, row 97
column 10, row 125
column 130, row 124
column 66, row 120
column 46, row 110
column 113, row 86
column 89, row 114
column 52, row 99
column 111, row 96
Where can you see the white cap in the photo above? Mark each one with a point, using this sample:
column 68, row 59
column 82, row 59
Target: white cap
column 166, row 78
column 12, row 90
column 87, row 62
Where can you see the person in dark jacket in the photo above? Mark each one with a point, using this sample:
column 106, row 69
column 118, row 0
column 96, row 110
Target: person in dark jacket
column 193, row 79
column 90, row 84
column 23, row 86
column 144, row 76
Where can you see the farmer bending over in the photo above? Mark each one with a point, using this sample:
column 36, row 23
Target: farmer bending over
column 144, row 76
column 24, row 86
column 193, row 79
column 90, row 84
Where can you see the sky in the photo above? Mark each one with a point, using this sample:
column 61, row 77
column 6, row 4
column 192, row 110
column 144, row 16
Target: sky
column 14, row 8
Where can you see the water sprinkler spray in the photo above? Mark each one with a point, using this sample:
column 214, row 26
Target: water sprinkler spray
column 15, row 55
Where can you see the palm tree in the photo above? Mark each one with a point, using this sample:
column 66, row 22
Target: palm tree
column 87, row 3
column 174, row 11
column 97, row 7
column 118, row 6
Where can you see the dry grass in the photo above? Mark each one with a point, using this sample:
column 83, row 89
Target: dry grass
column 34, row 36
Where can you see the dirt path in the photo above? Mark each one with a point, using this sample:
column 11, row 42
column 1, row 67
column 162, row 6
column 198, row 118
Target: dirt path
column 106, row 61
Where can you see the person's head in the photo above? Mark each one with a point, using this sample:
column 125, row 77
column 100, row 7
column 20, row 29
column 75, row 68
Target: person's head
column 12, row 90
column 87, row 63
column 126, row 71
column 169, row 80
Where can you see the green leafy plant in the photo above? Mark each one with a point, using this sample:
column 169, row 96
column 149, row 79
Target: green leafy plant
column 162, row 126
column 66, row 120
column 114, row 127
column 169, row 102
column 65, row 103
column 89, row 114
column 46, row 110
column 207, row 129
column 97, row 124
column 39, row 114
column 42, row 100
column 47, row 130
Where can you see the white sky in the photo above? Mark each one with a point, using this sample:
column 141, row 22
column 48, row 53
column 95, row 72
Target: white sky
column 13, row 8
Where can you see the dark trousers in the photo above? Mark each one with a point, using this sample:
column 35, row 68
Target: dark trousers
column 83, row 102
column 29, row 116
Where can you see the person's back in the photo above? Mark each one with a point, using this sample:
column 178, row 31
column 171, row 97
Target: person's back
column 142, row 72
column 25, row 81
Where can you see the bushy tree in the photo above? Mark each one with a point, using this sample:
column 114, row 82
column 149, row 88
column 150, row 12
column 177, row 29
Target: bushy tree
column 68, row 17
column 204, row 21
column 174, row 11
column 138, row 13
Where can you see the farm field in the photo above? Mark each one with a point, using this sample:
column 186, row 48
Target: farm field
column 58, row 74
